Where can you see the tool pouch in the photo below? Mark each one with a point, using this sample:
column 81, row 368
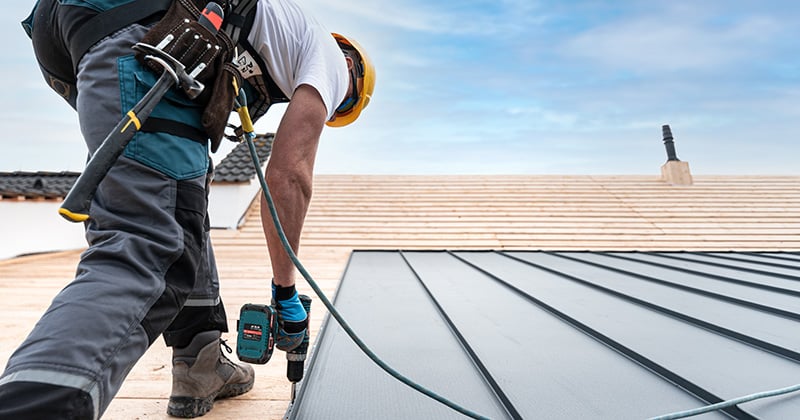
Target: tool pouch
column 180, row 35
column 218, row 109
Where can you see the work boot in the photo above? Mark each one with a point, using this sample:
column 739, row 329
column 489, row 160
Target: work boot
column 201, row 374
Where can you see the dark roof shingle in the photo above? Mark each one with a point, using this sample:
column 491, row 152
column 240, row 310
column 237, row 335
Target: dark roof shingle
column 32, row 185
column 237, row 166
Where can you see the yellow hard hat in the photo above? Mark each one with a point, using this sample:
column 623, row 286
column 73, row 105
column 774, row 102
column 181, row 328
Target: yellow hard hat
column 351, row 108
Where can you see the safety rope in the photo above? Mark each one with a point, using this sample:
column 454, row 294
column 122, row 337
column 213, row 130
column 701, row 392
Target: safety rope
column 729, row 403
column 335, row 313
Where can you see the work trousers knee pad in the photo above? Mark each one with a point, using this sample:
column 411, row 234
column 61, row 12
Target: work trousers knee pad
column 36, row 400
column 180, row 278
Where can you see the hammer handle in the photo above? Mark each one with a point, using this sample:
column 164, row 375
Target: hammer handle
column 78, row 201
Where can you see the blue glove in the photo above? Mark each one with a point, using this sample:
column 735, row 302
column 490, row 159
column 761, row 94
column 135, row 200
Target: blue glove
column 292, row 317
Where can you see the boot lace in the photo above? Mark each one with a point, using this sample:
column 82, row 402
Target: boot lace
column 224, row 344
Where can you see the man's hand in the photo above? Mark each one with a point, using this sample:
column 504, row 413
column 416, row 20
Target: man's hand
column 292, row 317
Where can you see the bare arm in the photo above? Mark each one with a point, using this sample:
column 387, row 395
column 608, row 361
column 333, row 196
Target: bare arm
column 289, row 175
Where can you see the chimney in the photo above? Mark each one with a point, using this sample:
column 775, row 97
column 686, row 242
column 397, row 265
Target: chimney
column 675, row 171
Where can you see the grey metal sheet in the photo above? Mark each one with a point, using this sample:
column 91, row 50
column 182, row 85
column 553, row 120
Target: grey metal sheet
column 757, row 261
column 386, row 306
column 669, row 272
column 781, row 256
column 765, row 326
column 723, row 366
column 783, row 275
column 552, row 341
column 542, row 362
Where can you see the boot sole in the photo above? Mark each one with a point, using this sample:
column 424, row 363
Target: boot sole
column 188, row 407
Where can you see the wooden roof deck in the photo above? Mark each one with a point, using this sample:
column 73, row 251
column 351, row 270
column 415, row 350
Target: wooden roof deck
column 743, row 213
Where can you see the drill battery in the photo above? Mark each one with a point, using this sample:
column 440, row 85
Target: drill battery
column 257, row 328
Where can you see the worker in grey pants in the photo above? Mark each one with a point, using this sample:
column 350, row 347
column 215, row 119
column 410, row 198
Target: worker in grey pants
column 149, row 268
column 149, row 248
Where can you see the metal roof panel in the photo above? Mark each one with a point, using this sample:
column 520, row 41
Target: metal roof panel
column 561, row 334
column 390, row 311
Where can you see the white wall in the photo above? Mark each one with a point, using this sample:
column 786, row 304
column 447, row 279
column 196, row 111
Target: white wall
column 228, row 203
column 30, row 226
column 35, row 226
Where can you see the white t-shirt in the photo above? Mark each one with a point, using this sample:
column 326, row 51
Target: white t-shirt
column 299, row 50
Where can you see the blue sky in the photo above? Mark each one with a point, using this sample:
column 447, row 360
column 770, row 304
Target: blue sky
column 516, row 87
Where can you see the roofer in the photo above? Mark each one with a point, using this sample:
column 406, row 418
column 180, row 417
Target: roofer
column 149, row 269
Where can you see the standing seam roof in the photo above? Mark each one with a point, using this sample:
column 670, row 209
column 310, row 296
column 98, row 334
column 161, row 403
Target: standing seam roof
column 557, row 334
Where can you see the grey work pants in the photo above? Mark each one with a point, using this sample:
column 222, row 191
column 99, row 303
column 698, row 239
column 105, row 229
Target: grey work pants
column 149, row 270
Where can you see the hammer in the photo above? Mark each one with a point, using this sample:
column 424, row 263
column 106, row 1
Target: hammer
column 78, row 201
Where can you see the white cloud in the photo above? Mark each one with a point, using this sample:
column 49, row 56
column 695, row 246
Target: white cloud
column 451, row 17
column 396, row 14
column 515, row 86
column 673, row 42
column 545, row 118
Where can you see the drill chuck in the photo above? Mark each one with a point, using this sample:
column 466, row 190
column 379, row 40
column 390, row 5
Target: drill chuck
column 295, row 368
column 296, row 358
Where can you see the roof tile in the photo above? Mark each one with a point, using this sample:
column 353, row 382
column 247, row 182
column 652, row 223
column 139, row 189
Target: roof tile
column 237, row 166
column 34, row 185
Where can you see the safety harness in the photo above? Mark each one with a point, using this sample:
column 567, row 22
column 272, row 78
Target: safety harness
column 88, row 24
column 263, row 90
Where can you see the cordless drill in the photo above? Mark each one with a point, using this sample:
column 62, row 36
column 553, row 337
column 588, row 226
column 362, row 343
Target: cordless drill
column 257, row 328
column 295, row 359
